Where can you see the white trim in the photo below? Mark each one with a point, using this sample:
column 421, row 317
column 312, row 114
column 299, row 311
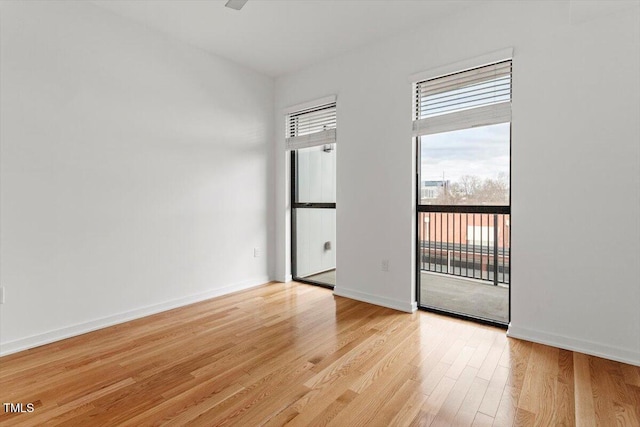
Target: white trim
column 328, row 136
column 459, row 66
column 93, row 325
column 310, row 104
column 408, row 307
column 465, row 119
column 587, row 347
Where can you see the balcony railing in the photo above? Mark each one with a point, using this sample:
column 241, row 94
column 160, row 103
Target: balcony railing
column 468, row 245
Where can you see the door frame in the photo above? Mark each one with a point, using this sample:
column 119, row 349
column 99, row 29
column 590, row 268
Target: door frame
column 301, row 205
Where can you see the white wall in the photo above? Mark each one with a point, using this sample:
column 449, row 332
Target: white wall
column 575, row 164
column 136, row 172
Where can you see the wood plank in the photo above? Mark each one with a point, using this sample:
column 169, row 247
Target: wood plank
column 391, row 409
column 631, row 374
column 524, row 418
column 508, row 407
column 461, row 362
column 483, row 347
column 364, row 409
column 471, row 403
column 516, row 357
column 432, row 405
column 482, row 420
column 565, row 406
column 409, row 410
column 451, row 406
column 491, row 399
column 334, row 408
column 603, row 391
column 492, row 359
column 307, row 408
column 584, row 403
column 634, row 395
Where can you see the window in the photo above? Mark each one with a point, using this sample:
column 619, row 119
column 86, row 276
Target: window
column 312, row 126
column 462, row 100
column 463, row 120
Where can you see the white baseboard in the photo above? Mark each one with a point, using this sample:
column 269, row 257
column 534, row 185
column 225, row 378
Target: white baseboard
column 587, row 347
column 82, row 328
column 375, row 299
column 284, row 279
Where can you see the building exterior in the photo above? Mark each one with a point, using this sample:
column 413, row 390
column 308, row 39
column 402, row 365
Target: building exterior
column 432, row 190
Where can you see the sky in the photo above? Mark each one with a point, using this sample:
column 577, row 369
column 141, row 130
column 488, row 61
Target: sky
column 481, row 151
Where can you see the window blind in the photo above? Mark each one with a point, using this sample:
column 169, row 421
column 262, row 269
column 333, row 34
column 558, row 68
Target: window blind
column 476, row 97
column 311, row 127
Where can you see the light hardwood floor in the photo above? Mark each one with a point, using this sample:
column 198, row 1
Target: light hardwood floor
column 294, row 353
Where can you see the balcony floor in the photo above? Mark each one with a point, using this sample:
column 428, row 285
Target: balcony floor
column 327, row 277
column 471, row 297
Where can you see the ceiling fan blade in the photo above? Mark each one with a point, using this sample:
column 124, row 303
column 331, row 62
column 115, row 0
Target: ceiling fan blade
column 235, row 4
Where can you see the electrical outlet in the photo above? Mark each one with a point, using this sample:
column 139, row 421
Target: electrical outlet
column 384, row 265
column 256, row 252
column 1, row 294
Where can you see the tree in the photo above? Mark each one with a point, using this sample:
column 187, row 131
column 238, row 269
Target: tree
column 472, row 190
column 467, row 188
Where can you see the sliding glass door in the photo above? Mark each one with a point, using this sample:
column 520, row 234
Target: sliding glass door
column 462, row 123
column 313, row 195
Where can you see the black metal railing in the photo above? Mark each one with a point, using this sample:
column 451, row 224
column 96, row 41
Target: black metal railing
column 472, row 245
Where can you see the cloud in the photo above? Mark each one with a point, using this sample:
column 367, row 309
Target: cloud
column 482, row 151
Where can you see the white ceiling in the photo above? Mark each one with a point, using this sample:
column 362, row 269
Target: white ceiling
column 275, row 37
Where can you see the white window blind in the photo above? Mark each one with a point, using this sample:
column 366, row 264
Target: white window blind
column 476, row 97
column 311, row 127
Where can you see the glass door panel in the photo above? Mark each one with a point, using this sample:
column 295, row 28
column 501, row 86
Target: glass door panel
column 315, row 245
column 314, row 215
column 464, row 236
column 466, row 167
